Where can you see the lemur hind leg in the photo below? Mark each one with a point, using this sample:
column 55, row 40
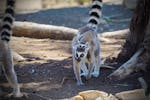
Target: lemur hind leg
column 97, row 67
column 8, row 68
column 91, row 65
column 84, row 69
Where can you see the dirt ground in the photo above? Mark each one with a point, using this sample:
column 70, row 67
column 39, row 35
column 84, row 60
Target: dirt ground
column 48, row 71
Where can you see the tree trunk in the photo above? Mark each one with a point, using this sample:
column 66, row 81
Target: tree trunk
column 137, row 46
column 137, row 40
column 137, row 33
column 136, row 50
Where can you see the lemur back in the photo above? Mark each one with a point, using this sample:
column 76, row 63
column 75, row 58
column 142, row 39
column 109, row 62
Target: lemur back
column 86, row 46
column 6, row 59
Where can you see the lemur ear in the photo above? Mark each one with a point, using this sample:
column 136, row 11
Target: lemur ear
column 74, row 47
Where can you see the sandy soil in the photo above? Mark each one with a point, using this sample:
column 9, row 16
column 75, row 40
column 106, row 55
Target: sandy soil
column 49, row 72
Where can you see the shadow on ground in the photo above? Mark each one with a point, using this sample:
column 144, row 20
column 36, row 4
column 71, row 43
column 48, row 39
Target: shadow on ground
column 55, row 79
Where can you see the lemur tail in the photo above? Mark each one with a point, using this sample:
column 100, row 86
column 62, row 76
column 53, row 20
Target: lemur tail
column 95, row 13
column 7, row 21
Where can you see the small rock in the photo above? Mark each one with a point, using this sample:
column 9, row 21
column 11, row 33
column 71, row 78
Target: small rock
column 78, row 97
column 93, row 94
column 137, row 94
column 32, row 71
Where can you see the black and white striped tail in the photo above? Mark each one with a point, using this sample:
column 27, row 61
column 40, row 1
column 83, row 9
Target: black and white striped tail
column 95, row 13
column 7, row 21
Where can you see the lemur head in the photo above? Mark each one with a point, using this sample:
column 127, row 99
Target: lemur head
column 81, row 50
column 82, row 45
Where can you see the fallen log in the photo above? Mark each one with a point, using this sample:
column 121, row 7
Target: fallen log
column 34, row 30
column 116, row 34
column 128, row 67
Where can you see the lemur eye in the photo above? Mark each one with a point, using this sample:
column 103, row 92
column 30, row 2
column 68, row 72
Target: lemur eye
column 82, row 55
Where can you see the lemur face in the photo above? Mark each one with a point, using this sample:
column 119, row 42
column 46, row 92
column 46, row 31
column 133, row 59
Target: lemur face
column 81, row 51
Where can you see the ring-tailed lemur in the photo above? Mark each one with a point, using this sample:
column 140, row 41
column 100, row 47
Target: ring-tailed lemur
column 86, row 46
column 6, row 59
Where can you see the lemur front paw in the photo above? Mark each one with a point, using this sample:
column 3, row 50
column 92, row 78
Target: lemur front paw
column 80, row 83
column 88, row 76
column 95, row 74
column 84, row 74
column 18, row 95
